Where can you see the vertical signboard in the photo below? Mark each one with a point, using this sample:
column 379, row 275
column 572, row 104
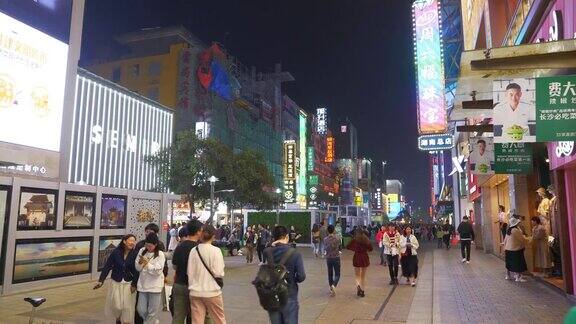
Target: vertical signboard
column 321, row 121
column 310, row 157
column 556, row 108
column 432, row 118
column 289, row 171
column 302, row 154
column 329, row 149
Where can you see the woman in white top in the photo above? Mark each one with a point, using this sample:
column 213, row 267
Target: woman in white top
column 173, row 238
column 409, row 251
column 205, row 273
column 150, row 264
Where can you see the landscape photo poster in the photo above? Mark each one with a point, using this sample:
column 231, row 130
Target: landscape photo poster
column 37, row 209
column 39, row 259
column 113, row 213
column 79, row 210
column 106, row 245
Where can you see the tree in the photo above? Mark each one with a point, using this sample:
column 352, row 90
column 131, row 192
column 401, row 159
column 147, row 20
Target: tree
column 252, row 181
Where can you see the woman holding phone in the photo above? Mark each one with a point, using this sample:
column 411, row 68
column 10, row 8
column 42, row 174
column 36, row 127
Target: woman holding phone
column 150, row 264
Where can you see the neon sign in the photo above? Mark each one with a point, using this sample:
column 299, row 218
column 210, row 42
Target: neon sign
column 432, row 118
column 329, row 149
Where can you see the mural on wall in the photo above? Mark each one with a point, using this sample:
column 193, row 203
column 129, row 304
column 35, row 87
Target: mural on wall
column 142, row 213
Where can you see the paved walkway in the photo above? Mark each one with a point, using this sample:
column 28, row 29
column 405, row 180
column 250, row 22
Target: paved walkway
column 447, row 292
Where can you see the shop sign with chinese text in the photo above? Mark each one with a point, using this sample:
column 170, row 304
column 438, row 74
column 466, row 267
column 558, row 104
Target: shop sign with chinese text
column 556, row 108
column 290, row 160
column 513, row 158
column 435, row 142
column 329, row 149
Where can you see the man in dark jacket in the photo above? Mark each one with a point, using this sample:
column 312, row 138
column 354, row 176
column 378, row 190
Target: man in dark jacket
column 296, row 274
column 466, row 238
column 131, row 261
column 448, row 232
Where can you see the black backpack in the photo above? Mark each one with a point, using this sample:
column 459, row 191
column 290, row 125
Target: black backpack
column 271, row 284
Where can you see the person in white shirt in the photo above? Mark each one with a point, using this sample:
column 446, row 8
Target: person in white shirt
column 173, row 238
column 408, row 250
column 479, row 160
column 205, row 274
column 514, row 117
column 150, row 263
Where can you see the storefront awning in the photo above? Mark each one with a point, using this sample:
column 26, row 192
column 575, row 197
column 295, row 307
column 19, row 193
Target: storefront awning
column 479, row 68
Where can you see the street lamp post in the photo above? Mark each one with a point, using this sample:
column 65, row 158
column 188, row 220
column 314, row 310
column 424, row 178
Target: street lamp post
column 278, row 192
column 212, row 180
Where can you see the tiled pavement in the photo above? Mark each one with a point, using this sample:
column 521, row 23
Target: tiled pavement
column 447, row 292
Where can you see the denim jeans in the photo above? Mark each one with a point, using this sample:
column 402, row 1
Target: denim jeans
column 392, row 266
column 287, row 315
column 465, row 249
column 181, row 298
column 333, row 271
column 149, row 306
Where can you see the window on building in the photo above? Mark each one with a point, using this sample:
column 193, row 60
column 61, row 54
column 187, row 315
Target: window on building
column 116, row 74
column 135, row 70
column 153, row 93
column 154, row 68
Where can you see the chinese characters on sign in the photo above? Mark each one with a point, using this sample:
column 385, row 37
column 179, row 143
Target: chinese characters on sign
column 310, row 157
column 432, row 118
column 329, row 149
column 513, row 158
column 184, row 80
column 435, row 142
column 556, row 108
column 289, row 171
column 29, row 169
column 322, row 121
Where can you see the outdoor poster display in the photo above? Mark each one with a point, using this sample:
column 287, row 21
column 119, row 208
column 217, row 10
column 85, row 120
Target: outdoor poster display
column 38, row 259
column 482, row 156
column 113, row 214
column 106, row 245
column 79, row 209
column 37, row 209
column 513, row 158
column 556, row 108
column 514, row 111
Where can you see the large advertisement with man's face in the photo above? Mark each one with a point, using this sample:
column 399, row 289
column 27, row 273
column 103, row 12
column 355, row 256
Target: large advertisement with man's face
column 32, row 80
column 482, row 156
column 514, row 111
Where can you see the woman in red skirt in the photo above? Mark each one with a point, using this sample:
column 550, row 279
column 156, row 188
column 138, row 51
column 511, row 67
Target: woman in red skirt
column 361, row 245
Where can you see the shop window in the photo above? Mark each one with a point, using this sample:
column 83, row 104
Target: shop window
column 135, row 70
column 153, row 93
column 154, row 68
column 116, row 74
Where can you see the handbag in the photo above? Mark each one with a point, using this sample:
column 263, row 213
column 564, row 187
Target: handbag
column 219, row 281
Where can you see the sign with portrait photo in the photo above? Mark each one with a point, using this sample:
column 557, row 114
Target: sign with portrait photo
column 514, row 111
column 482, row 156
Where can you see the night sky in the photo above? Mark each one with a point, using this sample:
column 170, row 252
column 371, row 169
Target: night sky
column 353, row 56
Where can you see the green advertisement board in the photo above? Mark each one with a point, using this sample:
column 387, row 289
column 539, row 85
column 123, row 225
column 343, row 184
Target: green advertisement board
column 310, row 157
column 513, row 158
column 556, row 108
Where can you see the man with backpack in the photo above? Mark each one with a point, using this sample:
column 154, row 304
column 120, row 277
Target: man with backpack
column 277, row 281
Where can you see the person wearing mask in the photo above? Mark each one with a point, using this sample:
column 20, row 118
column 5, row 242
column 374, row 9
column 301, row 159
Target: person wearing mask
column 332, row 245
column 295, row 275
column 409, row 251
column 514, row 246
column 361, row 245
column 150, row 264
column 180, row 294
column 150, row 228
column 540, row 246
column 262, row 242
column 173, row 238
column 448, row 230
column 250, row 238
column 380, row 242
column 466, row 238
column 121, row 298
column 316, row 239
column 205, row 279
column 391, row 250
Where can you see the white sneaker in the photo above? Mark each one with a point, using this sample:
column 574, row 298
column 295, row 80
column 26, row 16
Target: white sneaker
column 413, row 284
column 463, row 260
column 521, row 279
column 507, row 278
column 261, row 263
column 332, row 292
column 467, row 262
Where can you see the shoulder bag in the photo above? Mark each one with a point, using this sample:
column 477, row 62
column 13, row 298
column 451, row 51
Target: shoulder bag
column 219, row 281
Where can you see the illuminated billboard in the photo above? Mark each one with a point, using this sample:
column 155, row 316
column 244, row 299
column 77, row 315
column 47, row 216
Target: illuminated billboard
column 289, row 171
column 432, row 117
column 302, row 154
column 321, row 121
column 395, row 209
column 329, row 150
column 32, row 80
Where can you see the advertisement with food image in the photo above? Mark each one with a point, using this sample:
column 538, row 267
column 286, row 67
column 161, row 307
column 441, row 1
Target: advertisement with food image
column 514, row 111
column 482, row 155
column 32, row 81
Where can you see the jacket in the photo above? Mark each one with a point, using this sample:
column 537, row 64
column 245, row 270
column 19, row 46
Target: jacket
column 413, row 241
column 466, row 231
column 379, row 236
column 515, row 241
column 133, row 256
column 151, row 277
column 200, row 281
column 294, row 266
column 119, row 267
column 389, row 247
